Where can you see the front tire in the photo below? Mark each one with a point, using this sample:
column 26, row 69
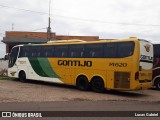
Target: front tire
column 22, row 76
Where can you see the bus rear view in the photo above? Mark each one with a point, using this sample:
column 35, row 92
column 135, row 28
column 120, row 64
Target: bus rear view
column 146, row 64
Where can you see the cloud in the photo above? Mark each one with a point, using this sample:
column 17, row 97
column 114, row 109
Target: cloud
column 102, row 18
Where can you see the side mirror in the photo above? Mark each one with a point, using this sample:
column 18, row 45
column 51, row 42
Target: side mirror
column 6, row 57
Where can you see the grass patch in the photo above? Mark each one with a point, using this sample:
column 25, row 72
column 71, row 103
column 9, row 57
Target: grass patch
column 6, row 78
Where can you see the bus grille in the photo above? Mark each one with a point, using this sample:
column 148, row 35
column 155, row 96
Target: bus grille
column 122, row 80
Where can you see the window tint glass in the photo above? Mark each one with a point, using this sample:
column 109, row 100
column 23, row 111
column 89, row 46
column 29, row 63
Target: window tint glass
column 94, row 51
column 35, row 51
column 24, row 51
column 76, row 51
column 118, row 49
column 110, row 50
column 107, row 50
column 47, row 51
column 61, row 51
column 125, row 49
column 156, row 48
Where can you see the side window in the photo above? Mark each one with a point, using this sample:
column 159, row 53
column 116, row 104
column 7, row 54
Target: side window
column 125, row 49
column 35, row 51
column 24, row 51
column 76, row 51
column 47, row 51
column 156, row 48
column 110, row 50
column 94, row 51
column 61, row 51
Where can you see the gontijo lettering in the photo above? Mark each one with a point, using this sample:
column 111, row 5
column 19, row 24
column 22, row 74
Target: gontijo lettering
column 74, row 63
column 144, row 57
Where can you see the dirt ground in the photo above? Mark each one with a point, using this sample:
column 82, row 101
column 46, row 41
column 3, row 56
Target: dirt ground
column 33, row 91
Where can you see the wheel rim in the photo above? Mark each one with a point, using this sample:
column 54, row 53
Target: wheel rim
column 158, row 84
column 98, row 85
column 83, row 83
column 22, row 76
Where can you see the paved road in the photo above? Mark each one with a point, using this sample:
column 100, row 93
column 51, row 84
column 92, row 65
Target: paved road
column 81, row 106
column 39, row 96
column 86, row 106
column 33, row 91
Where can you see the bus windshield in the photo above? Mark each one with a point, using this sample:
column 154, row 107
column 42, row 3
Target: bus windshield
column 13, row 56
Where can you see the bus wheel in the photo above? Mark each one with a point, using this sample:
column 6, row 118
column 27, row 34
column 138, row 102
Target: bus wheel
column 157, row 84
column 22, row 76
column 82, row 83
column 97, row 85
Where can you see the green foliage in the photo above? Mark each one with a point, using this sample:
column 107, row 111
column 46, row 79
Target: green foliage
column 6, row 78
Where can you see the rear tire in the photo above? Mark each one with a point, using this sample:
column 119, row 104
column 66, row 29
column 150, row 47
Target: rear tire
column 22, row 76
column 82, row 83
column 97, row 85
column 157, row 84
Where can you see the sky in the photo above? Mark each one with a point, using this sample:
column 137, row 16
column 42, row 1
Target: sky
column 108, row 19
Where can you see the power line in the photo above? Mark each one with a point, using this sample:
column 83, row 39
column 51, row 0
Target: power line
column 81, row 19
column 5, row 6
column 37, row 29
column 99, row 21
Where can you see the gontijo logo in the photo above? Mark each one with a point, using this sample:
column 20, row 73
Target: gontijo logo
column 147, row 47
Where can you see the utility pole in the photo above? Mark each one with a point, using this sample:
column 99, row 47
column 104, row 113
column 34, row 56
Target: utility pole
column 12, row 26
column 49, row 23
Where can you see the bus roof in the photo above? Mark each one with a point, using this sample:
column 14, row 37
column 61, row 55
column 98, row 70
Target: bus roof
column 77, row 41
column 65, row 41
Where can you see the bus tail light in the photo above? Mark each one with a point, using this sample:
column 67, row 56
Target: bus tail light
column 136, row 75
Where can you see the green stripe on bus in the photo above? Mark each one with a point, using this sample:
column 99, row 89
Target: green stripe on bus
column 44, row 63
column 37, row 67
column 42, row 67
